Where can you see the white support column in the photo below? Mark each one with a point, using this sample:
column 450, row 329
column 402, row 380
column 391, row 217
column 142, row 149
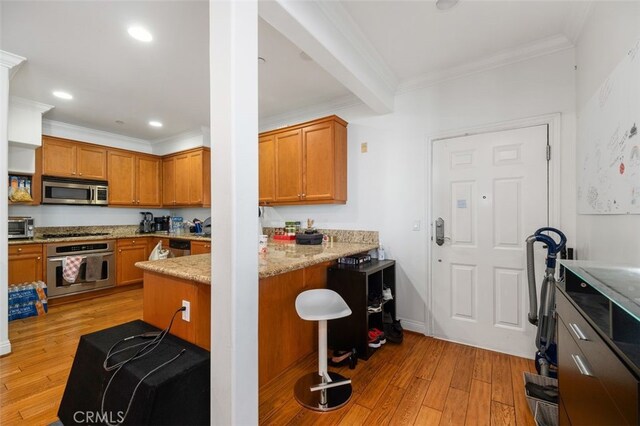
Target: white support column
column 7, row 62
column 234, row 194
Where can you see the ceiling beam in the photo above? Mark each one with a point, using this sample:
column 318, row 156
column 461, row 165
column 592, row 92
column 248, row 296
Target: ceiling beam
column 327, row 33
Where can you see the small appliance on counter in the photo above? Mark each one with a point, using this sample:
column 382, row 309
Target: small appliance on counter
column 162, row 224
column 310, row 236
column 20, row 227
column 147, row 224
column 206, row 226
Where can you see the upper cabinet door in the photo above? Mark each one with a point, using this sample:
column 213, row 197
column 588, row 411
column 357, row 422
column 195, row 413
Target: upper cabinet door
column 289, row 165
column 58, row 158
column 182, row 179
column 318, row 162
column 169, row 181
column 149, row 181
column 267, row 169
column 91, row 162
column 122, row 178
column 195, row 178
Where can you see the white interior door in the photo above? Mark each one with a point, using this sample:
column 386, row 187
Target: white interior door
column 491, row 190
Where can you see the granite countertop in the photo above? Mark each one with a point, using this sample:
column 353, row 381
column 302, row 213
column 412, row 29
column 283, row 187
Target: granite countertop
column 279, row 259
column 111, row 236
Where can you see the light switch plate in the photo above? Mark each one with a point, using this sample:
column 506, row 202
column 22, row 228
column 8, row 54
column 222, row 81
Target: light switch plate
column 363, row 147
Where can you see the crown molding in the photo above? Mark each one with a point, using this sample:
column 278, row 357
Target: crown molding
column 579, row 15
column 99, row 137
column 352, row 33
column 521, row 53
column 200, row 131
column 27, row 103
column 316, row 110
column 10, row 60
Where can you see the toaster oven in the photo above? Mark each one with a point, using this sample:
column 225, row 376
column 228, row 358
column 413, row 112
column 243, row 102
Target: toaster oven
column 21, row 227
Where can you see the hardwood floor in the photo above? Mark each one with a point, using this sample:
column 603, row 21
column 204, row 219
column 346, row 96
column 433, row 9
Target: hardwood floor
column 424, row 381
column 33, row 376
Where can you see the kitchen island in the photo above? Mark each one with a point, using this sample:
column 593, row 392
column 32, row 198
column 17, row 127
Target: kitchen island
column 285, row 271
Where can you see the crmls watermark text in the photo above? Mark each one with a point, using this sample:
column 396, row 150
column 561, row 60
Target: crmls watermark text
column 92, row 417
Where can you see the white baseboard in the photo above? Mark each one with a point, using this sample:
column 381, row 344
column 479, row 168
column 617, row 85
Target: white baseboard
column 415, row 326
column 5, row 347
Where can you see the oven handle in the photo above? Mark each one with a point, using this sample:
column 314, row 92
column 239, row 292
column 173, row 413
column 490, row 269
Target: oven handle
column 58, row 259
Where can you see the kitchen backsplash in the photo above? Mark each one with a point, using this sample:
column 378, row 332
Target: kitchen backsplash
column 340, row 235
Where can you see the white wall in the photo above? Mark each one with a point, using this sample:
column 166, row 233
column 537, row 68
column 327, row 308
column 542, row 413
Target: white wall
column 608, row 34
column 387, row 186
column 53, row 215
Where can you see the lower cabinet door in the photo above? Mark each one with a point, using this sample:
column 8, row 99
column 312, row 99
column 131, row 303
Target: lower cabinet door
column 126, row 258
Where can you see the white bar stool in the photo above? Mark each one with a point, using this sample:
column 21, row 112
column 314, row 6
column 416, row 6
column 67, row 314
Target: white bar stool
column 333, row 391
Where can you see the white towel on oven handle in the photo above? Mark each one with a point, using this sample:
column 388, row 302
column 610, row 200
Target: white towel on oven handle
column 71, row 267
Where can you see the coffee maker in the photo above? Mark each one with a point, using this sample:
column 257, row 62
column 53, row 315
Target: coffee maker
column 146, row 225
column 162, row 224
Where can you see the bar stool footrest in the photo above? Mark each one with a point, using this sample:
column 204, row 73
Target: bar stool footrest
column 337, row 395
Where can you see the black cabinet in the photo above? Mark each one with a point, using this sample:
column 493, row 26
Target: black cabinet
column 361, row 287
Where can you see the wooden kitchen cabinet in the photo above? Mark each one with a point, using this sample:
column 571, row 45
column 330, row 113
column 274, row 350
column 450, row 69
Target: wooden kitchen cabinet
column 25, row 263
column 186, row 178
column 267, row 169
column 309, row 162
column 200, row 247
column 67, row 158
column 128, row 252
column 134, row 179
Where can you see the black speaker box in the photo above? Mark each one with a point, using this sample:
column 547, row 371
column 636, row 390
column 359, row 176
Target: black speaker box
column 176, row 394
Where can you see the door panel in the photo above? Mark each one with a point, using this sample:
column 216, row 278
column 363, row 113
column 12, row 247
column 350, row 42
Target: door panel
column 168, row 181
column 58, row 158
column 92, row 162
column 491, row 191
column 195, row 178
column 181, row 179
column 149, row 180
column 122, row 178
column 267, row 169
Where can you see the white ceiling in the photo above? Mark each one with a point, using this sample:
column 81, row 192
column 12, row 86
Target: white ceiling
column 83, row 47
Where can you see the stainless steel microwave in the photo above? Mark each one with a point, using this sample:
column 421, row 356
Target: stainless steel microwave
column 21, row 227
column 74, row 191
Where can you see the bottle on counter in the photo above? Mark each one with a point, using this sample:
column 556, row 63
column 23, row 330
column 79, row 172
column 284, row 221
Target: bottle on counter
column 381, row 255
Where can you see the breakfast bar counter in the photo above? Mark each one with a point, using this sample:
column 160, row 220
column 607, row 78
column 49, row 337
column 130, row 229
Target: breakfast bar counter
column 284, row 271
column 279, row 259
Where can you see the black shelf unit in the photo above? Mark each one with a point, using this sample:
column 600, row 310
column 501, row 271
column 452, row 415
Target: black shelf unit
column 355, row 283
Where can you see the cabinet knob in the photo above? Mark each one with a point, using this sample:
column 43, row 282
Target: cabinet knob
column 38, row 257
column 133, row 242
column 120, row 251
column 133, row 201
column 80, row 174
column 19, row 249
column 304, row 195
column 73, row 173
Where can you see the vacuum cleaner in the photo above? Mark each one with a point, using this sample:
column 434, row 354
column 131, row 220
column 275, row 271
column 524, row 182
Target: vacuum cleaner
column 544, row 319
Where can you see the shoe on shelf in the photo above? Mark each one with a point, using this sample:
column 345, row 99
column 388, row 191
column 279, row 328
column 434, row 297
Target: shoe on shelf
column 372, row 309
column 378, row 333
column 393, row 331
column 386, row 294
column 349, row 357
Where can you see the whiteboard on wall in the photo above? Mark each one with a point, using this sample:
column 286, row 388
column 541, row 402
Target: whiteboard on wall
column 608, row 159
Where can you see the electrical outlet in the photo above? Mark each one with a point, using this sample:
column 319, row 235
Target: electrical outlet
column 363, row 147
column 186, row 314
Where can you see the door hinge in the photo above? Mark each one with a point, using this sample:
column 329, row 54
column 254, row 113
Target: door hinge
column 548, row 152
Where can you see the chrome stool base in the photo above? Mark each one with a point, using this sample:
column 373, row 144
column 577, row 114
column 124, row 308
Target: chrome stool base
column 335, row 397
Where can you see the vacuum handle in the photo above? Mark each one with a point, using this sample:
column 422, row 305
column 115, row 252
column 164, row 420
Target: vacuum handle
column 557, row 246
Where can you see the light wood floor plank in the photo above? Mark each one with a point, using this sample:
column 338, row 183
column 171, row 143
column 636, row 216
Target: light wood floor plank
column 410, row 404
column 464, row 369
column 479, row 408
column 439, row 388
column 455, row 408
column 373, row 391
column 501, row 383
column 523, row 414
column 356, row 416
column 386, row 407
column 430, row 360
column 482, row 365
column 428, row 417
column 502, row 414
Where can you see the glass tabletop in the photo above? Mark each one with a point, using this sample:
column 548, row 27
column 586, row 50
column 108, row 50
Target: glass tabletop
column 618, row 283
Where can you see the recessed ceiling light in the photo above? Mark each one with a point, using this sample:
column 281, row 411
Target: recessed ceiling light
column 154, row 123
column 62, row 95
column 140, row 34
column 445, row 4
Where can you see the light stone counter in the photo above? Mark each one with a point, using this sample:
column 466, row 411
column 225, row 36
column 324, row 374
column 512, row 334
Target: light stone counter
column 279, row 259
